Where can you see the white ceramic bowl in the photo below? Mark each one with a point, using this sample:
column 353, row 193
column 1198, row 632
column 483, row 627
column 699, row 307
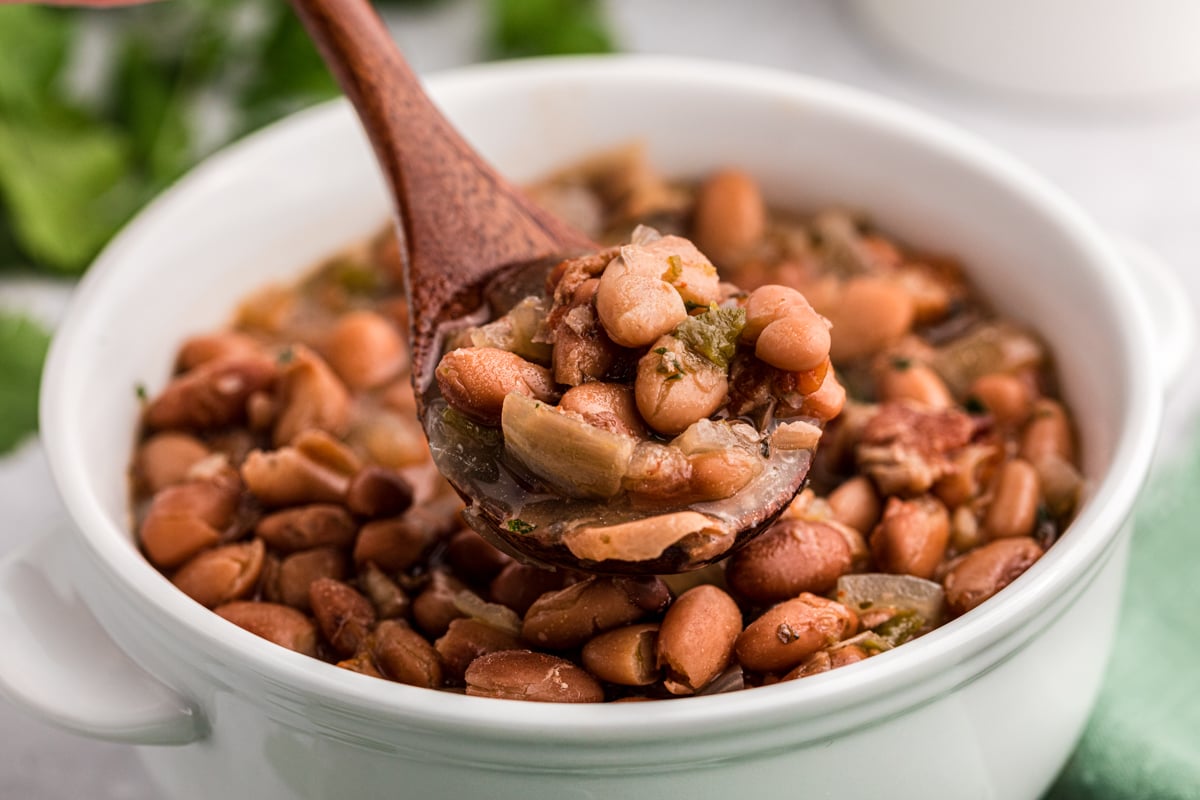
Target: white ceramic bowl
column 987, row 706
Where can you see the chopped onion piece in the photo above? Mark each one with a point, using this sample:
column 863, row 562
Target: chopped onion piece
column 500, row 617
column 902, row 592
column 869, row 641
column 731, row 680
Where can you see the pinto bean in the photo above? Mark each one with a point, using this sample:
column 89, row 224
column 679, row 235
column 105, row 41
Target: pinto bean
column 466, row 640
column 855, row 503
column 197, row 350
column 609, row 406
column 1005, row 396
column 636, row 309
column 385, row 594
column 343, row 615
column 696, row 639
column 379, row 492
column 223, row 574
column 796, row 343
column 722, row 473
column 912, row 536
column 1014, row 507
column 186, row 518
column 794, row 556
column 394, row 544
column 286, row 477
column 319, row 525
column 826, row 402
column 868, row 314
column 475, row 380
column 311, row 396
column 404, row 656
column 730, row 216
column 569, row 617
column 674, row 388
column 1048, row 433
column 474, row 557
column 365, row 350
column 986, row 570
column 519, row 585
column 790, row 632
column 525, row 675
column 213, row 395
column 624, row 656
column 165, row 458
column 436, row 606
column 284, row 626
column 296, row 573
column 917, row 383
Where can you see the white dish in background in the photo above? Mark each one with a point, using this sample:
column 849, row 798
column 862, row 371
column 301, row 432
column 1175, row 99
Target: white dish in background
column 988, row 705
column 1085, row 50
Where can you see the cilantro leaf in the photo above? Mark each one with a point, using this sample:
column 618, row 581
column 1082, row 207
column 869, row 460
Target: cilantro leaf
column 23, row 346
column 713, row 334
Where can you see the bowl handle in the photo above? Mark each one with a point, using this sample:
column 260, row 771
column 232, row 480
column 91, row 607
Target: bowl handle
column 60, row 664
column 1170, row 309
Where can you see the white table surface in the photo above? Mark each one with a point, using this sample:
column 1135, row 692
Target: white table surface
column 1136, row 170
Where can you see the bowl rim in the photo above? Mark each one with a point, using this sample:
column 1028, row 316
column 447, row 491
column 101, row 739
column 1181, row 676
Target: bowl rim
column 1065, row 565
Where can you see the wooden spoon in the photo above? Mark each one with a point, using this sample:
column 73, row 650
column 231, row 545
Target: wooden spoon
column 461, row 226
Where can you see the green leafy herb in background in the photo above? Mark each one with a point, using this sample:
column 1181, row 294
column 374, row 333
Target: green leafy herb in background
column 85, row 143
column 22, row 349
column 548, row 27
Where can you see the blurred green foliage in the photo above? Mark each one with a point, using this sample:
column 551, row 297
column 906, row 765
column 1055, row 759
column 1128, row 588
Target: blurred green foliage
column 23, row 347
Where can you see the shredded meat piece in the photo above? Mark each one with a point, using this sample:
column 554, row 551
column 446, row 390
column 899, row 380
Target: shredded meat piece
column 906, row 449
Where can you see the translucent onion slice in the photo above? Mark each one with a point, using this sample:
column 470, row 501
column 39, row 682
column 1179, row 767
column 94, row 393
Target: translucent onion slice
column 902, row 592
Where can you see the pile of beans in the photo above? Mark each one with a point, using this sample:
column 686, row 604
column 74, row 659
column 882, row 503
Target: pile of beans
column 283, row 480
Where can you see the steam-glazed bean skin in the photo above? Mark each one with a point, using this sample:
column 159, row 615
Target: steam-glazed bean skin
column 624, row 656
column 394, row 544
column 222, row 574
column 790, row 632
column 696, row 639
column 474, row 381
column 988, row 569
column 1047, row 433
column 794, row 556
column 284, row 626
column 311, row 396
column 869, row 314
column 569, row 617
column 674, row 389
column 525, row 675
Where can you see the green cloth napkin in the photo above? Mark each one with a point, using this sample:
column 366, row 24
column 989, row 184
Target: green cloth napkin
column 1143, row 740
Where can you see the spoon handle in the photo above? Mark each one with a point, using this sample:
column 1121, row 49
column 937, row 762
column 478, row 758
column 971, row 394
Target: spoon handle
column 459, row 219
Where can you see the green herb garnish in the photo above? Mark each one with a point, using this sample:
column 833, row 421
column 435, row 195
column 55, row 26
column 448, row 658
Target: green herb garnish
column 519, row 526
column 713, row 334
column 901, row 627
column 142, row 394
